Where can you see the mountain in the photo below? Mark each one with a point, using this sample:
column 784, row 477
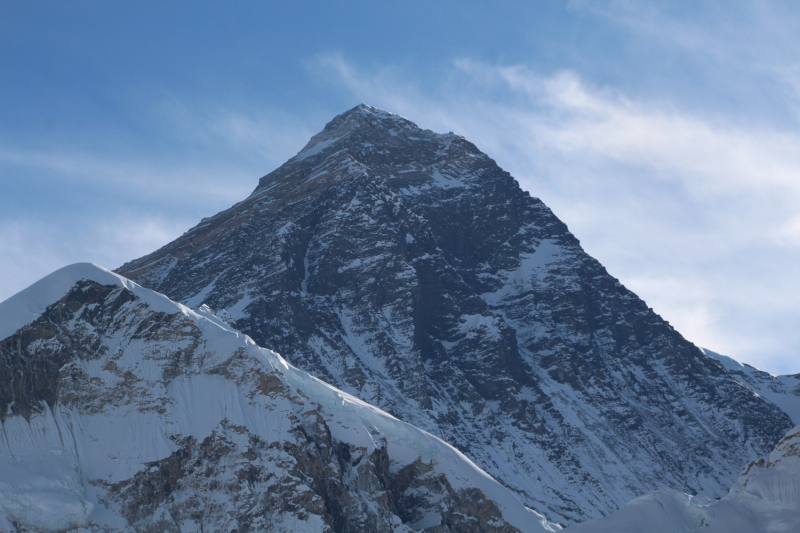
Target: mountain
column 407, row 268
column 124, row 411
column 764, row 499
column 783, row 391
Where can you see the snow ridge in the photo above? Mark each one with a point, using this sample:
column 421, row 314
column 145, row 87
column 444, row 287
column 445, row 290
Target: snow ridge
column 27, row 305
column 783, row 391
column 122, row 419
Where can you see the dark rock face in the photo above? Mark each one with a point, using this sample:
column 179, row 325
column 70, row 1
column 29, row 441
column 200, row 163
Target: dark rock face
column 783, row 391
column 321, row 480
column 407, row 268
column 36, row 367
column 106, row 376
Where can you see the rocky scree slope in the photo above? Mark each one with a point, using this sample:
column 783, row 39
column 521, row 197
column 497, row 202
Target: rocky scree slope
column 124, row 411
column 408, row 269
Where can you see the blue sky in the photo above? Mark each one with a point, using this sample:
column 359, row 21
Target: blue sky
column 665, row 134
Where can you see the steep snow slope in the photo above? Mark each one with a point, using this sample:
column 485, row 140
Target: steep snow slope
column 783, row 391
column 124, row 411
column 765, row 499
column 407, row 268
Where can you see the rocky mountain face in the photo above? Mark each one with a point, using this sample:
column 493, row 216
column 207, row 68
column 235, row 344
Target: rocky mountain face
column 124, row 411
column 783, row 391
column 406, row 268
column 764, row 499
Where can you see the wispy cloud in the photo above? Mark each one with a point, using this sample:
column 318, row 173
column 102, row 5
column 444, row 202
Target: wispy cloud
column 136, row 178
column 724, row 32
column 120, row 201
column 697, row 215
column 31, row 248
column 747, row 43
column 257, row 133
column 211, row 157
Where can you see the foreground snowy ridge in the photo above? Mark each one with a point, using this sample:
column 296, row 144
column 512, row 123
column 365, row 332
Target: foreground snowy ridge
column 765, row 499
column 131, row 412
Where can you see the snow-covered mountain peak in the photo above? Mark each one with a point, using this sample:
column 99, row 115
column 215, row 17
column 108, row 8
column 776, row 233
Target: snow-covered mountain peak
column 125, row 411
column 369, row 121
column 410, row 270
column 391, row 147
column 27, row 305
column 364, row 115
column 374, row 113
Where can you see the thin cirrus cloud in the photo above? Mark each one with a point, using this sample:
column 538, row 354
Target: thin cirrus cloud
column 261, row 134
column 217, row 160
column 743, row 45
column 743, row 32
column 111, row 204
column 32, row 248
column 132, row 177
column 697, row 215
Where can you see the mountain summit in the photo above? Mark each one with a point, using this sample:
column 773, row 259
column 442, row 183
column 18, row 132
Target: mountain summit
column 406, row 268
column 364, row 121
